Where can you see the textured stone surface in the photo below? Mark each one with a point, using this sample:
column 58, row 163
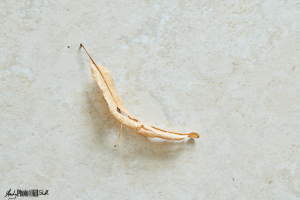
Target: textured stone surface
column 229, row 70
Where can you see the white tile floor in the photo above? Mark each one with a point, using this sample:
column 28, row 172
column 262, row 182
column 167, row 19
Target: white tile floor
column 229, row 70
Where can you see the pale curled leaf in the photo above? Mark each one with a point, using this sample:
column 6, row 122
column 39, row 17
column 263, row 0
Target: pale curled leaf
column 115, row 104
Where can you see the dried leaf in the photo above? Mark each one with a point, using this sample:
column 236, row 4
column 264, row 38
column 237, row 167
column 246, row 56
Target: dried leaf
column 117, row 108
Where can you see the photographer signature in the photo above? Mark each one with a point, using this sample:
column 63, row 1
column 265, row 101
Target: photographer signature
column 25, row 193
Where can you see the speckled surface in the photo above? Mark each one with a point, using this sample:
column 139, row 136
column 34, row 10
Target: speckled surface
column 229, row 70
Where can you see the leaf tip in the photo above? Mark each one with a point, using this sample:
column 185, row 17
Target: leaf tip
column 194, row 135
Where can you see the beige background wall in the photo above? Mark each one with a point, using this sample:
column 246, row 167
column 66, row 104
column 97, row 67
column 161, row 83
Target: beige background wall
column 229, row 70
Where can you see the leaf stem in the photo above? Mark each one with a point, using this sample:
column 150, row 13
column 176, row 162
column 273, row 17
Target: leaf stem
column 90, row 58
column 118, row 137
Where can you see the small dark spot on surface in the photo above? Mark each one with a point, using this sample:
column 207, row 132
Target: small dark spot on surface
column 294, row 67
column 68, row 46
column 270, row 182
column 32, row 133
column 233, row 179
